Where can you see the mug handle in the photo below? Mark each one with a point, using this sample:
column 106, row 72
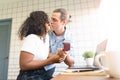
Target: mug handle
column 97, row 61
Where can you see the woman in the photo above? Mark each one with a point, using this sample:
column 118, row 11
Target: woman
column 35, row 49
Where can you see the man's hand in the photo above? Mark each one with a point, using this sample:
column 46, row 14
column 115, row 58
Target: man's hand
column 62, row 54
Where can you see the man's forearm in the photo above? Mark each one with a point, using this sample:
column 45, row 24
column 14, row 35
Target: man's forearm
column 69, row 61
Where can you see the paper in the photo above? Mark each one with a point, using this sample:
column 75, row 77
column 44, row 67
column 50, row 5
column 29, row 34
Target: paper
column 85, row 73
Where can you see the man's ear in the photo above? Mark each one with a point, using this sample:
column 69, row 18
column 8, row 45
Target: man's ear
column 65, row 22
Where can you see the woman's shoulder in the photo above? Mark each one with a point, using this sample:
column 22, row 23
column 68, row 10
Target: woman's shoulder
column 32, row 37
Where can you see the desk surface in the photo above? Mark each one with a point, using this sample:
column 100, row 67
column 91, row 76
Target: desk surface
column 77, row 77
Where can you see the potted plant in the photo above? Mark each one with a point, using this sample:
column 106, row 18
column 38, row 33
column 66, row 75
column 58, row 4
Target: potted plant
column 89, row 57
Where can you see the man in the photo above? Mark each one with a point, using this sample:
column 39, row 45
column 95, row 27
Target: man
column 58, row 35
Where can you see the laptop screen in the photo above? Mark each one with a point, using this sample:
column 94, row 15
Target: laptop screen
column 100, row 47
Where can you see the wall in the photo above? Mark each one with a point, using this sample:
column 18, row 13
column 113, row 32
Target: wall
column 85, row 26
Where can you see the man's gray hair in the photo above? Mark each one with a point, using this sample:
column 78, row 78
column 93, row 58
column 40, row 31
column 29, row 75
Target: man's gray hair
column 64, row 14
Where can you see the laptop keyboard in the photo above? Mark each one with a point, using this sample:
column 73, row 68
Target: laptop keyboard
column 84, row 67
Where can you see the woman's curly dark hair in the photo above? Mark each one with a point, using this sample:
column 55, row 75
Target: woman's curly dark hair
column 35, row 24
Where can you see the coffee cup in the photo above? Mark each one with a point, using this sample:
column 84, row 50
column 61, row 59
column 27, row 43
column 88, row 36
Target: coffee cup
column 112, row 61
column 66, row 46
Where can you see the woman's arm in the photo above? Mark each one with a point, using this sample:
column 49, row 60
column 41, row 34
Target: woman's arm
column 27, row 62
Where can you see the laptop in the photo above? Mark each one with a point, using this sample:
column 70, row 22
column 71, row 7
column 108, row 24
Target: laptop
column 100, row 47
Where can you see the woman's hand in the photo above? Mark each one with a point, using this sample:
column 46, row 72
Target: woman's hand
column 55, row 58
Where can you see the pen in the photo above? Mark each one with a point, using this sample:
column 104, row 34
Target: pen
column 86, row 70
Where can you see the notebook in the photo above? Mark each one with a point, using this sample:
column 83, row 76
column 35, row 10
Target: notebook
column 100, row 47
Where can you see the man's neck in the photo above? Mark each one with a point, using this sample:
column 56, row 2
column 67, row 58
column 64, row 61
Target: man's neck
column 59, row 32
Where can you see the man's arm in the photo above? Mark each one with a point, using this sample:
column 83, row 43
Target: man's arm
column 69, row 60
column 66, row 57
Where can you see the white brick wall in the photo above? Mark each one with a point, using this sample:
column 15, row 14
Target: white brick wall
column 84, row 27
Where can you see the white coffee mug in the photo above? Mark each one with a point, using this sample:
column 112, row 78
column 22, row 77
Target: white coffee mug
column 112, row 59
